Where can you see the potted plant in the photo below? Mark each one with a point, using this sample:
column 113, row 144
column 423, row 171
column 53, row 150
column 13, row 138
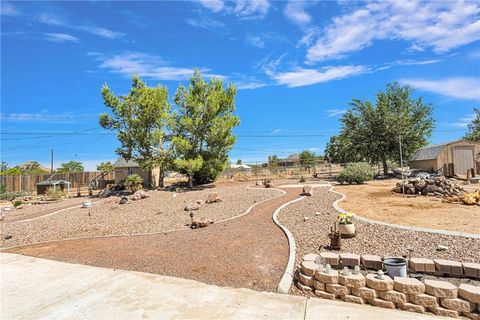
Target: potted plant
column 346, row 225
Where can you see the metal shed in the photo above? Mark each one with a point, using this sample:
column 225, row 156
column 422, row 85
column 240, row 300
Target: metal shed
column 455, row 158
column 43, row 186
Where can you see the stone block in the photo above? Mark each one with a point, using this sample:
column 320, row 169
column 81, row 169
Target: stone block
column 324, row 295
column 318, row 285
column 382, row 303
column 331, row 277
column 352, row 281
column 469, row 292
column 393, row 296
column 439, row 311
column 365, row 293
column 330, row 258
column 411, row 307
column 421, row 265
column 304, row 279
column 441, row 289
column 458, row 305
column 350, row 259
column 423, row 300
column 337, row 289
column 409, row 285
column 377, row 284
column 471, row 270
column 302, row 287
column 353, row 299
column 311, row 257
column 372, row 262
column 309, row 268
column 472, row 315
column 449, row 267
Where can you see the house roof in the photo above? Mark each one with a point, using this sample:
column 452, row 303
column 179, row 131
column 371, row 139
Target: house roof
column 52, row 182
column 430, row 152
column 124, row 163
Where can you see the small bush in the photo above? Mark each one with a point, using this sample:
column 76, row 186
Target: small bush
column 55, row 194
column 357, row 172
column 16, row 203
column 9, row 196
column 133, row 182
column 302, row 179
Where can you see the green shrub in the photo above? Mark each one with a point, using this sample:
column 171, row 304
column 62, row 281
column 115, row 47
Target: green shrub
column 9, row 196
column 302, row 179
column 55, row 194
column 133, row 182
column 16, row 203
column 357, row 172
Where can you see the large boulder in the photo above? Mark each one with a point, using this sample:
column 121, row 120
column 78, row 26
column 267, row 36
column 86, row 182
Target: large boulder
column 307, row 190
column 213, row 198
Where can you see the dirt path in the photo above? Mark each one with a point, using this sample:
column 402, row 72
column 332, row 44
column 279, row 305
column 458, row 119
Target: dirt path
column 249, row 252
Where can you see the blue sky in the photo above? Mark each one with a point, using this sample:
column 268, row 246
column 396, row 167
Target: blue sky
column 296, row 64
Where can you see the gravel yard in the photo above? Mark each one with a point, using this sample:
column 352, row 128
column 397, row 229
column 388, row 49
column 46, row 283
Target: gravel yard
column 161, row 212
column 311, row 236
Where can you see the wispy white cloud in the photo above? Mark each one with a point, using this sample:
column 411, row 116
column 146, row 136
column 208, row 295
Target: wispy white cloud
column 213, row 5
column 305, row 77
column 296, row 12
column 260, row 40
column 460, row 123
column 206, row 23
column 335, row 112
column 442, row 26
column 44, row 116
column 460, row 87
column 60, row 37
column 7, row 9
column 249, row 85
column 149, row 66
column 276, row 131
column 245, row 9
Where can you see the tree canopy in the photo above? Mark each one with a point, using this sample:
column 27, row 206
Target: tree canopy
column 70, row 167
column 473, row 132
column 105, row 167
column 141, row 119
column 307, row 158
column 202, row 134
column 373, row 131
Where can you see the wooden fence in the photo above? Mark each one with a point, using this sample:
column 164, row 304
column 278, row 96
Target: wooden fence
column 27, row 183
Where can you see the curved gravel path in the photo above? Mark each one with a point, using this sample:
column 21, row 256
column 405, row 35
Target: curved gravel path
column 250, row 251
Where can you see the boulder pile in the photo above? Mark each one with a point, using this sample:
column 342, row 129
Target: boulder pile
column 436, row 187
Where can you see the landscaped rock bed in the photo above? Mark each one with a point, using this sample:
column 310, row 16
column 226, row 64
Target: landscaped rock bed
column 162, row 211
column 311, row 235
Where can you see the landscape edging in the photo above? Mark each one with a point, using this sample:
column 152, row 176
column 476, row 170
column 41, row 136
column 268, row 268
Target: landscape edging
column 400, row 226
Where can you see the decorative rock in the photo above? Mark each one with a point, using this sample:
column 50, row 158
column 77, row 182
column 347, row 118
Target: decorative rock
column 393, row 296
column 448, row 267
column 123, row 200
column 318, row 285
column 365, row 293
column 423, row 300
column 408, row 285
column 311, row 257
column 213, row 198
column 337, row 289
column 330, row 258
column 305, row 219
column 302, row 286
column 442, row 248
column 304, row 279
column 411, row 307
column 198, row 201
column 191, row 207
column 324, row 295
column 331, row 278
column 377, row 284
column 441, row 289
column 353, row 299
column 439, row 311
column 469, row 292
column 422, row 265
column 382, row 303
column 458, row 305
column 471, row 315
column 350, row 259
column 372, row 262
column 307, row 190
column 200, row 224
column 352, row 280
column 471, row 269
column 309, row 268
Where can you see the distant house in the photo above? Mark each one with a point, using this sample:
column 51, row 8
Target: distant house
column 455, row 158
column 292, row 161
column 60, row 185
column 124, row 168
column 241, row 167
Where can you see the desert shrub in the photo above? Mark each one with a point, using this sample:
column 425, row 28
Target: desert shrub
column 357, row 172
column 16, row 203
column 55, row 194
column 9, row 196
column 302, row 179
column 133, row 182
column 3, row 189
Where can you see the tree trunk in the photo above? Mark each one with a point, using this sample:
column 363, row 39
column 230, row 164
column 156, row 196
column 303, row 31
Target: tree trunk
column 190, row 181
column 161, row 179
column 149, row 178
column 385, row 167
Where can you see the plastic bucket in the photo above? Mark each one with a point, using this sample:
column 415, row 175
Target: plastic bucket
column 396, row 267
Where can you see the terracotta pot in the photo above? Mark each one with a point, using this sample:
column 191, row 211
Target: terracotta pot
column 347, row 230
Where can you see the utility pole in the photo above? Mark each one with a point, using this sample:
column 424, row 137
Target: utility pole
column 51, row 161
column 401, row 166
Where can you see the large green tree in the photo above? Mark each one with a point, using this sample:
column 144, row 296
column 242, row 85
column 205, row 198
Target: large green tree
column 203, row 128
column 70, row 167
column 141, row 119
column 373, row 131
column 473, row 132
column 307, row 159
column 339, row 150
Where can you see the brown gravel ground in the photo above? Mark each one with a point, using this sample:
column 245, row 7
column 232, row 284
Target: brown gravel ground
column 161, row 212
column 250, row 251
column 311, row 235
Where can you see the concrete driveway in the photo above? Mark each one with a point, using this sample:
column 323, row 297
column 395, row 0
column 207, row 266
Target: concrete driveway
column 33, row 288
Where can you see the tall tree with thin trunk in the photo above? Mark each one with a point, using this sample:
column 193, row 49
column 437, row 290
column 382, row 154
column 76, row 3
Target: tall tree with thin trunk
column 203, row 128
column 474, row 127
column 141, row 119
